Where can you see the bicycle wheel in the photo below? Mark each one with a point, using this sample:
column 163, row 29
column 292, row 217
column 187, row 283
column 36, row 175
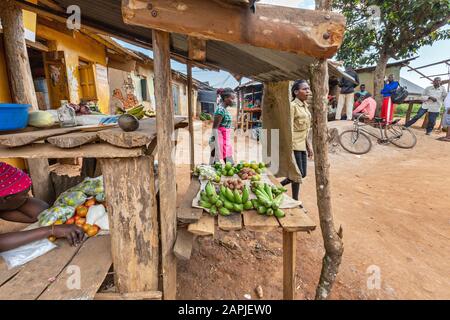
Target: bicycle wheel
column 401, row 137
column 355, row 142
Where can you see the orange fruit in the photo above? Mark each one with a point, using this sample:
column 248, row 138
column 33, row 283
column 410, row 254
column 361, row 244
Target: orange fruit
column 86, row 227
column 90, row 202
column 70, row 221
column 80, row 222
column 82, row 211
column 92, row 231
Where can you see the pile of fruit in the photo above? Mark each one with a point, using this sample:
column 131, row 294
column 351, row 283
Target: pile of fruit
column 225, row 201
column 234, row 184
column 226, row 170
column 269, row 199
column 137, row 111
column 207, row 173
column 205, row 116
column 80, row 219
column 248, row 174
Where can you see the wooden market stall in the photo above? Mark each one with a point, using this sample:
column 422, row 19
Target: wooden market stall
column 273, row 45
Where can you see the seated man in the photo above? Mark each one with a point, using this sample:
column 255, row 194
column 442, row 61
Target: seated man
column 17, row 206
column 367, row 107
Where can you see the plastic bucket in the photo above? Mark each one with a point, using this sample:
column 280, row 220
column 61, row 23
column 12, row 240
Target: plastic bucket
column 13, row 116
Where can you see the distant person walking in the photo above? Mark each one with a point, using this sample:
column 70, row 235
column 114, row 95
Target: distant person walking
column 433, row 99
column 347, row 95
column 387, row 109
column 446, row 118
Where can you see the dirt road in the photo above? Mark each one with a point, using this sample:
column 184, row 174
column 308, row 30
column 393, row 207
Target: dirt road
column 394, row 206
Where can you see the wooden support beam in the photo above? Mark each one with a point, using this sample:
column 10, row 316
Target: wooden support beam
column 17, row 63
column 197, row 49
column 133, row 220
column 289, row 254
column 167, row 174
column 42, row 182
column 191, row 116
column 301, row 31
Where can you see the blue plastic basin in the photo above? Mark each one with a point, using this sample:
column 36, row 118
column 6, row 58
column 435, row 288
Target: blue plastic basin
column 13, row 116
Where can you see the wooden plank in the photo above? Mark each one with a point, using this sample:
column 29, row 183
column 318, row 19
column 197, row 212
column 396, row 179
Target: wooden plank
column 97, row 150
column 37, row 274
column 167, row 186
column 256, row 222
column 230, row 223
column 42, row 182
column 133, row 220
column 183, row 244
column 289, row 253
column 93, row 260
column 141, row 137
column 149, row 295
column 72, row 140
column 203, row 227
column 24, row 138
column 295, row 219
column 6, row 274
column 185, row 211
column 312, row 33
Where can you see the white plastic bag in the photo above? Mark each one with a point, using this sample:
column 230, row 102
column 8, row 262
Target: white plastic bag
column 97, row 215
column 21, row 255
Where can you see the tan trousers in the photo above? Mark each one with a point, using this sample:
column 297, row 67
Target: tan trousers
column 348, row 100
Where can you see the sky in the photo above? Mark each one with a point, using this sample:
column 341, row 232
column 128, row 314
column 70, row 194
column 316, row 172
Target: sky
column 437, row 52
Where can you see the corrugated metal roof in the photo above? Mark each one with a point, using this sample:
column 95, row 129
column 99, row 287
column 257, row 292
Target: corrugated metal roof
column 243, row 60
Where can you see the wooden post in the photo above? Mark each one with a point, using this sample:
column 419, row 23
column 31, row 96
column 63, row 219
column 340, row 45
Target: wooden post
column 191, row 116
column 42, row 182
column 408, row 113
column 18, row 66
column 133, row 222
column 167, row 185
column 289, row 255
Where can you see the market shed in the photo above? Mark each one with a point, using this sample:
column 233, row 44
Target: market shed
column 274, row 45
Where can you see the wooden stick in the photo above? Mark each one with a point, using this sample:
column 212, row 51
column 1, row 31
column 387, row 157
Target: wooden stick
column 167, row 185
column 191, row 116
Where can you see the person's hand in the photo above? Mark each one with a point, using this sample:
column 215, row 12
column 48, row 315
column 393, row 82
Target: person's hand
column 73, row 233
column 310, row 153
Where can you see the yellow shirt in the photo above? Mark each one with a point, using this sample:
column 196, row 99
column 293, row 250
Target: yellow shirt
column 301, row 123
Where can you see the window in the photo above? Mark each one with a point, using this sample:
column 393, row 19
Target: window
column 87, row 88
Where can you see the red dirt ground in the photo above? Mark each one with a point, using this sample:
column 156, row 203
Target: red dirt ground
column 394, row 206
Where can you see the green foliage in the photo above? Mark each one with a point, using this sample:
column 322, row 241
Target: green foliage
column 404, row 27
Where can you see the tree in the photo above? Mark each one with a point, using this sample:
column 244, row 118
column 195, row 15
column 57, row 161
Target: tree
column 379, row 30
column 332, row 239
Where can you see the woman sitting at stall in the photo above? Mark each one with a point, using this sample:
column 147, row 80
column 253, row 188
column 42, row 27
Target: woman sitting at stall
column 17, row 206
column 222, row 126
column 301, row 123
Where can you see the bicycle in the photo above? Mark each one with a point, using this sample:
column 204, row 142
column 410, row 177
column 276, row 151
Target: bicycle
column 357, row 140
